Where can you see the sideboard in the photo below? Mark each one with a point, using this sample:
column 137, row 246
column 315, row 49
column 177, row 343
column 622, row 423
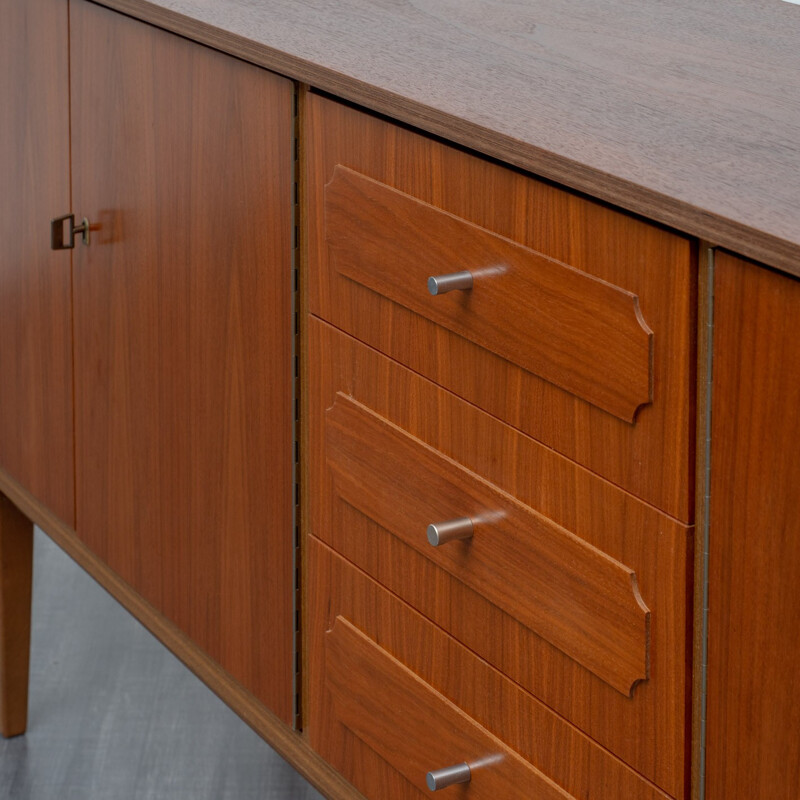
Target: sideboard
column 424, row 375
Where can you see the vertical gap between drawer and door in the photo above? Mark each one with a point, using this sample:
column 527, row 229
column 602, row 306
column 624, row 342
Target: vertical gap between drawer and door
column 705, row 386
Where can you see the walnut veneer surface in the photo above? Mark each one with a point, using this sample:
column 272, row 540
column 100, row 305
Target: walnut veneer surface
column 646, row 730
column 650, row 457
column 453, row 693
column 182, row 337
column 687, row 113
column 36, row 437
column 754, row 545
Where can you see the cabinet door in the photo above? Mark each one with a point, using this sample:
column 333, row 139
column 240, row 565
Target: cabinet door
column 753, row 716
column 183, row 163
column 35, row 315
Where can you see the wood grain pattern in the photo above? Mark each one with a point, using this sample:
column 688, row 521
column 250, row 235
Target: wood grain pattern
column 415, row 728
column 582, row 334
column 16, row 574
column 289, row 744
column 386, row 637
column 686, row 113
column 652, row 457
column 183, row 161
column 36, row 443
column 753, row 749
column 648, row 730
column 570, row 593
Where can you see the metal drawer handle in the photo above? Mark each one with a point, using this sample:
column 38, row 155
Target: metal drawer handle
column 442, row 532
column 440, row 284
column 448, row 776
column 57, row 241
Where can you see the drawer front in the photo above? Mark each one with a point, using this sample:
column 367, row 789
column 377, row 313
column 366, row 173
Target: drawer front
column 394, row 698
column 573, row 595
column 572, row 588
column 568, row 327
column 578, row 328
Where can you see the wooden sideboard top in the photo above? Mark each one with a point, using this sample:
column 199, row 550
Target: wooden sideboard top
column 686, row 113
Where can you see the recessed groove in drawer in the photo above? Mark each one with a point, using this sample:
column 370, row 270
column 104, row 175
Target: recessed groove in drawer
column 572, row 329
column 582, row 601
column 415, row 728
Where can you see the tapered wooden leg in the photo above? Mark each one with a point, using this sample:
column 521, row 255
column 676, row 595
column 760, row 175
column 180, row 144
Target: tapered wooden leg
column 16, row 572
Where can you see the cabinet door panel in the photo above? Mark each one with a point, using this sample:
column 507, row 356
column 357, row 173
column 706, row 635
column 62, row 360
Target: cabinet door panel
column 753, row 716
column 35, row 319
column 183, row 163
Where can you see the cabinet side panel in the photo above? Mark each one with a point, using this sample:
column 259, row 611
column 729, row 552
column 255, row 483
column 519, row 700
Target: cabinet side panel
column 183, row 163
column 753, row 749
column 36, row 440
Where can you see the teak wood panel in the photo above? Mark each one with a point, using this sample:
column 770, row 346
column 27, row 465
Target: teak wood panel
column 573, row 330
column 571, row 594
column 652, row 457
column 753, row 717
column 394, row 696
column 412, row 726
column 16, row 574
column 183, row 164
column 646, row 730
column 36, row 442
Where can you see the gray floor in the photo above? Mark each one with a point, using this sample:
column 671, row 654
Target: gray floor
column 113, row 714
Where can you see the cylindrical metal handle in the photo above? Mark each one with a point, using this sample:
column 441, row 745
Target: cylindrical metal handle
column 449, row 776
column 83, row 230
column 439, row 284
column 441, row 532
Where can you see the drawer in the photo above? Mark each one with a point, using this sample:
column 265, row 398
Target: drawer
column 572, row 329
column 577, row 327
column 393, row 698
column 575, row 590
column 582, row 601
